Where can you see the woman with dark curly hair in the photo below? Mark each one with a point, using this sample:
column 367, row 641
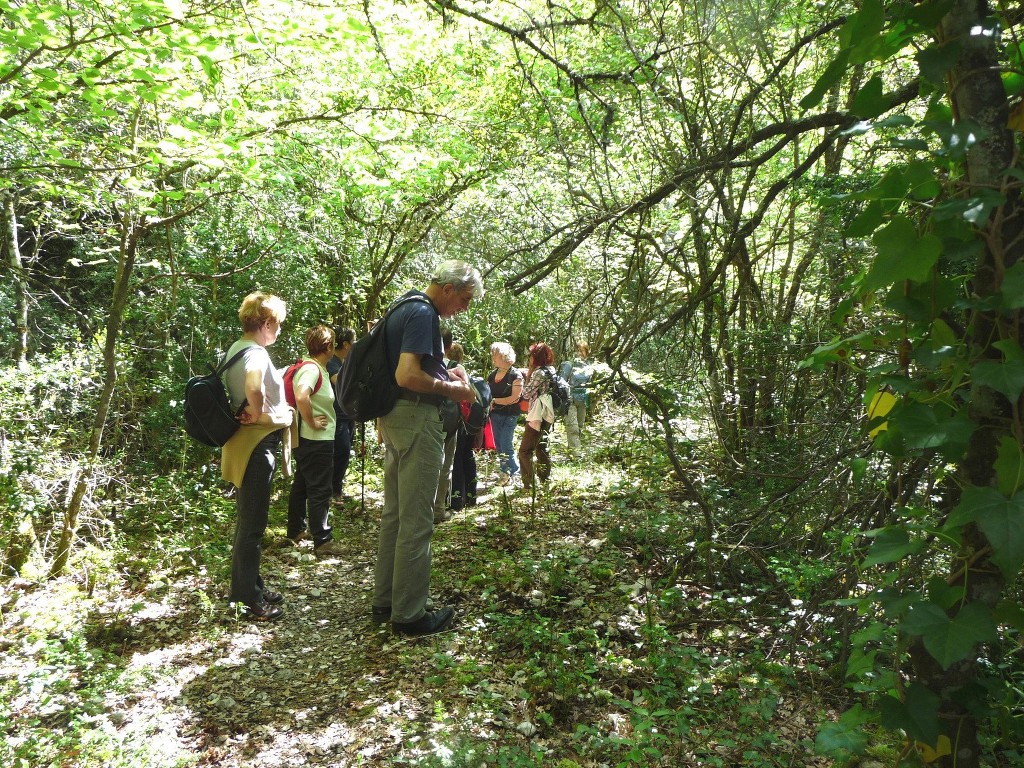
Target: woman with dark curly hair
column 540, row 417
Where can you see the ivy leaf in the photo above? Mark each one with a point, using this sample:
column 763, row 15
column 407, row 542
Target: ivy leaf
column 921, row 182
column 924, row 616
column 979, row 208
column 891, row 545
column 925, row 427
column 867, row 221
column 935, row 61
column 972, row 625
column 840, row 741
column 870, row 100
column 1003, row 526
column 949, row 640
column 863, row 31
column 921, row 302
column 1010, row 465
column 943, row 594
column 846, row 737
column 860, row 663
column 929, row 15
column 1005, row 377
column 918, row 715
column 973, row 500
column 902, row 255
column 1012, row 289
column 1011, row 349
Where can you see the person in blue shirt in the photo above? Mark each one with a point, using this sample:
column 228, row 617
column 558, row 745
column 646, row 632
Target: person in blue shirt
column 413, row 433
column 344, row 427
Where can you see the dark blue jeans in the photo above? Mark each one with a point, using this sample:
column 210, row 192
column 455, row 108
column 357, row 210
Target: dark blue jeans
column 342, row 452
column 503, row 425
column 253, row 505
column 311, row 490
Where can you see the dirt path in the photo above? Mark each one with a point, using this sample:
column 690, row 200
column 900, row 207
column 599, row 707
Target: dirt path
column 324, row 685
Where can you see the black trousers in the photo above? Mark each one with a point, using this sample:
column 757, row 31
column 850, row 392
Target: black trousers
column 463, row 473
column 343, row 435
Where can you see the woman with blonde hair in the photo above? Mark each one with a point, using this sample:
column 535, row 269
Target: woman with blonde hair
column 256, row 392
column 506, row 390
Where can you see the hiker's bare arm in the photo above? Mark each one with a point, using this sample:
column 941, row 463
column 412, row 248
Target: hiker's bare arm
column 305, row 408
column 411, row 376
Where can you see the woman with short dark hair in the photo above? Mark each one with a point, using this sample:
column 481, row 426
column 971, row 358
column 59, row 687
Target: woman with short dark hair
column 463, row 492
column 344, row 428
column 310, row 497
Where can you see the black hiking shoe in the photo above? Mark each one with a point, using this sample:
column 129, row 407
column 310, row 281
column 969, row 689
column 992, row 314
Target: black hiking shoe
column 429, row 623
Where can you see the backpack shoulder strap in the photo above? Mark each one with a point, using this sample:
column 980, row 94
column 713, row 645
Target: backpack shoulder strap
column 300, row 363
column 405, row 300
column 390, row 310
column 234, row 359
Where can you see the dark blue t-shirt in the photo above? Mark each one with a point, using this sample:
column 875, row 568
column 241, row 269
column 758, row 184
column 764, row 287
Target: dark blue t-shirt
column 333, row 368
column 416, row 327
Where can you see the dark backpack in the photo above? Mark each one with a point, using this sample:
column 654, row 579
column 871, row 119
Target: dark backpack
column 474, row 415
column 208, row 417
column 561, row 394
column 366, row 386
column 289, row 380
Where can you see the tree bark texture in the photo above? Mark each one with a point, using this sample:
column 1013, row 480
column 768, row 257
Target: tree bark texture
column 977, row 94
column 131, row 231
column 20, row 283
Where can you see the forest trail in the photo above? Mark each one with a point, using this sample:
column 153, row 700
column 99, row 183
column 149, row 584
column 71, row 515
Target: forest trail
column 553, row 656
column 323, row 685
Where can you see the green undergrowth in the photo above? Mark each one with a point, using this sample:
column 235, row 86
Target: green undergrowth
column 638, row 667
column 590, row 631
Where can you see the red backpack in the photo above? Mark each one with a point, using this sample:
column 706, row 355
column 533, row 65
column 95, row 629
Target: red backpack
column 289, row 378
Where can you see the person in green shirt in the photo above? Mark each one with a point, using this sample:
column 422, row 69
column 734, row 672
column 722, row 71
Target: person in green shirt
column 310, row 497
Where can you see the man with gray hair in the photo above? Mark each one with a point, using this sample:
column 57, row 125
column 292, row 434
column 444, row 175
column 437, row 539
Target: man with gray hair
column 413, row 434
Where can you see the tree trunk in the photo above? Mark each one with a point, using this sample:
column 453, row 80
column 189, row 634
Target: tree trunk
column 977, row 94
column 20, row 283
column 130, row 233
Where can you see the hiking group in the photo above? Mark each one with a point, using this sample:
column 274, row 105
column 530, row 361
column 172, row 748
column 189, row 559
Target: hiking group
column 430, row 413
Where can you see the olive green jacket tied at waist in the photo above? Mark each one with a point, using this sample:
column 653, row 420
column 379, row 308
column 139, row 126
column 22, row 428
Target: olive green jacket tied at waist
column 234, row 456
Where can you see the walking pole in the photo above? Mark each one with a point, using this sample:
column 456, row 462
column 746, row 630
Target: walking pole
column 363, row 464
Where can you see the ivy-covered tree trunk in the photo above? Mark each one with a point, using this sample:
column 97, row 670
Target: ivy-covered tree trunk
column 977, row 96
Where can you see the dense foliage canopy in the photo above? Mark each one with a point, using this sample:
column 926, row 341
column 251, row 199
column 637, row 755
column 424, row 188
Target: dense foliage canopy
column 762, row 216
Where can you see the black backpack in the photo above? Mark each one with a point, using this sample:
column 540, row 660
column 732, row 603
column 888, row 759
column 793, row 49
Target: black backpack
column 561, row 394
column 208, row 417
column 474, row 417
column 366, row 386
